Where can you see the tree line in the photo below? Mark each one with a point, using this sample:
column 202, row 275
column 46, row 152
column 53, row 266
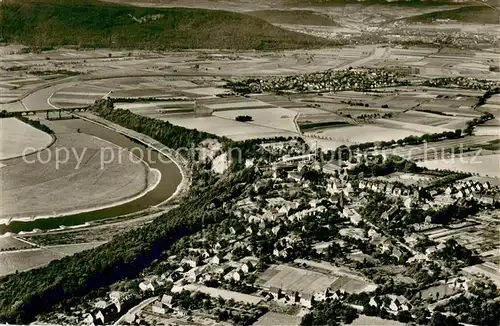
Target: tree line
column 34, row 123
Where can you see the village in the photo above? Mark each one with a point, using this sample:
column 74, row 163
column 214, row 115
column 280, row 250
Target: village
column 307, row 232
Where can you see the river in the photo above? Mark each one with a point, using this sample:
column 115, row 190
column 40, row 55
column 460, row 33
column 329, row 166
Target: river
column 171, row 177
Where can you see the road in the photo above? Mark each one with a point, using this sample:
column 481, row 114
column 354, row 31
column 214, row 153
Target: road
column 135, row 310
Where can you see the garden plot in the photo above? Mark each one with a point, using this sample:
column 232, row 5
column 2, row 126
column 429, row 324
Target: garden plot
column 18, row 138
column 275, row 118
column 43, row 188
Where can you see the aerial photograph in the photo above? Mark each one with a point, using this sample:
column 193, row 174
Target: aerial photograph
column 250, row 162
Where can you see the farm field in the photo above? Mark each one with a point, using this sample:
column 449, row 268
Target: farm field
column 408, row 179
column 81, row 181
column 364, row 320
column 13, row 261
column 361, row 134
column 485, row 165
column 291, row 279
column 441, row 148
column 274, row 318
column 488, row 269
column 276, row 118
column 229, row 127
column 52, row 67
column 18, row 138
column 71, row 249
column 294, row 279
column 21, row 260
column 8, row 242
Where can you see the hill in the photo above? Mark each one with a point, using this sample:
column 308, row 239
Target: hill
column 469, row 14
column 405, row 3
column 301, row 17
column 96, row 24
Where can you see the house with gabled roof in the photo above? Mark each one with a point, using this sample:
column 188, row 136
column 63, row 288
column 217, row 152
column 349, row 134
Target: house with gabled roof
column 158, row 308
column 107, row 314
column 247, row 267
column 306, row 299
column 167, row 300
column 276, row 229
column 390, row 213
column 399, row 303
column 238, row 275
column 217, row 259
column 192, row 261
column 146, row 285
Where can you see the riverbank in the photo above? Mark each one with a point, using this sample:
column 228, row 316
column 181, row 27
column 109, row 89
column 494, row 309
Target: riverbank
column 165, row 192
column 181, row 163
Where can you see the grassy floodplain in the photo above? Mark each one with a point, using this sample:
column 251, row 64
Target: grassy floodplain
column 18, row 138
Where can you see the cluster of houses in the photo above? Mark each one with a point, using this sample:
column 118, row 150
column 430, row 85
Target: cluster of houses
column 107, row 310
column 482, row 192
column 304, row 299
column 207, row 265
column 274, row 219
column 329, row 80
column 385, row 244
column 390, row 189
column 392, row 303
column 444, row 289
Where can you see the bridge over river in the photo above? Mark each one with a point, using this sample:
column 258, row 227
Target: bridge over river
column 47, row 112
